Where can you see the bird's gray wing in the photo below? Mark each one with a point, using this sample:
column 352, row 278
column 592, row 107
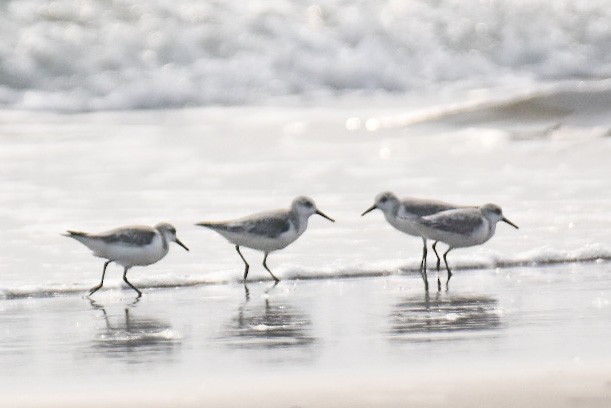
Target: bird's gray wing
column 422, row 208
column 462, row 221
column 136, row 236
column 271, row 224
column 271, row 227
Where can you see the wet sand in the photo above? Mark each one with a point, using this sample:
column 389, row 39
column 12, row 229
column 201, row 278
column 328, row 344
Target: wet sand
column 525, row 336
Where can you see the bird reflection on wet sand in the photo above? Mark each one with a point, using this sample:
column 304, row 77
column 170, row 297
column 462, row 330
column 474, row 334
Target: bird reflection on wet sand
column 442, row 318
column 268, row 323
column 133, row 338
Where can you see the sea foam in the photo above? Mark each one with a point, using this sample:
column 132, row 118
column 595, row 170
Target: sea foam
column 95, row 55
column 535, row 257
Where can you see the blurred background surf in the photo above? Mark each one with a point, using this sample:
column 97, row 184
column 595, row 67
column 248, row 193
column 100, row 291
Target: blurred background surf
column 85, row 55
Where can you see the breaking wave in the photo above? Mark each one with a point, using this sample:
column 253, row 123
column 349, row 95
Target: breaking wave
column 99, row 55
column 535, row 257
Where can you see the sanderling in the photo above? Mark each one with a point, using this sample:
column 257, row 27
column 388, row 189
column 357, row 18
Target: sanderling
column 404, row 214
column 462, row 227
column 129, row 246
column 267, row 231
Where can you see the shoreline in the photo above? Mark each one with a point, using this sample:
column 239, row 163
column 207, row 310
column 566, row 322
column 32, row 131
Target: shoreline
column 13, row 294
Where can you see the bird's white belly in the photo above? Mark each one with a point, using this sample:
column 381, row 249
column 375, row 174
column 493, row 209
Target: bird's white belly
column 262, row 243
column 129, row 255
column 407, row 225
column 456, row 240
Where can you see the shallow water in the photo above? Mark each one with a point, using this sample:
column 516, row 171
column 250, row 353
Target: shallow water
column 218, row 339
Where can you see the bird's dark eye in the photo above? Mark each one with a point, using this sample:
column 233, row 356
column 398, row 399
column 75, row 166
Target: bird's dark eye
column 497, row 211
column 308, row 204
column 383, row 199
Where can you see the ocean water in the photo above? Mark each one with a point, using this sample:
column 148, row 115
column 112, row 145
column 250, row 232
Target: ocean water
column 542, row 156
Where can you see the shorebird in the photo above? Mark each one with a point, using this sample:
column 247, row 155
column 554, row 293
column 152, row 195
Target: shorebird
column 129, row 246
column 267, row 231
column 461, row 228
column 404, row 215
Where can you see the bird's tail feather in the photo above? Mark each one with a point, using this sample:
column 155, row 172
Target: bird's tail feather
column 207, row 224
column 75, row 234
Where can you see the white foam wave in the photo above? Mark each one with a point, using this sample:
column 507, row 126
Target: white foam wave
column 95, row 55
column 534, row 257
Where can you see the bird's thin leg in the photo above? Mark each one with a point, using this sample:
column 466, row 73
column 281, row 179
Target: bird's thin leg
column 246, row 266
column 246, row 292
column 273, row 286
column 126, row 281
column 423, row 265
column 93, row 290
column 438, row 266
column 447, row 267
column 421, row 262
column 265, row 265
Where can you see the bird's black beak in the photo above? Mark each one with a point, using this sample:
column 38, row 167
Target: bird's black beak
column 509, row 222
column 181, row 244
column 324, row 215
column 373, row 207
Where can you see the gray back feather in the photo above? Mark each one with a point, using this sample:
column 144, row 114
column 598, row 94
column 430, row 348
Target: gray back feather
column 423, row 207
column 458, row 221
column 129, row 236
column 269, row 224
